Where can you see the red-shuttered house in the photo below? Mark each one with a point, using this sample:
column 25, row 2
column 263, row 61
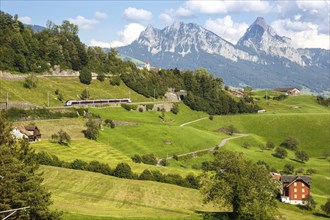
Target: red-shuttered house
column 295, row 189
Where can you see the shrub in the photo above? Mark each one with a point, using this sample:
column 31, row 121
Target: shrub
column 264, row 164
column 326, row 207
column 136, row 158
column 302, row 156
column 211, row 117
column 270, row 145
column 84, row 94
column 230, row 130
column 311, row 171
column 246, row 145
column 92, row 130
column 134, row 107
column 126, row 106
column 85, row 76
column 164, row 162
column 100, row 77
column 149, row 159
column 280, row 97
column 288, row 168
column 115, row 80
column 262, row 147
column 63, row 137
column 300, row 170
column 140, row 109
column 291, row 143
column 149, row 107
column 146, row 175
column 175, row 108
column 79, row 165
column 175, row 157
column 192, row 181
column 31, row 81
column 280, row 153
column 123, row 170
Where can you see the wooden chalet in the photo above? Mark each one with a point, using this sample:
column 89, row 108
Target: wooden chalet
column 295, row 189
column 31, row 132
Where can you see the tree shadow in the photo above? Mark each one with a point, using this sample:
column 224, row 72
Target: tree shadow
column 321, row 215
column 298, row 161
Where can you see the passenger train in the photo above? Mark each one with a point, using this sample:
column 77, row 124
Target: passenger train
column 97, row 102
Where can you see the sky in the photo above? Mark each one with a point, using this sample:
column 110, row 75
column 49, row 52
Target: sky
column 117, row 23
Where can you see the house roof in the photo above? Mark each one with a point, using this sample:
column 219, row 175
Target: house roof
column 292, row 179
column 284, row 89
column 23, row 130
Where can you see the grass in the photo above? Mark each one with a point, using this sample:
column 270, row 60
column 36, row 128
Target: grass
column 71, row 88
column 311, row 129
column 86, row 193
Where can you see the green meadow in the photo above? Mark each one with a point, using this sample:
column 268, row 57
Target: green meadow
column 86, row 195
column 71, row 89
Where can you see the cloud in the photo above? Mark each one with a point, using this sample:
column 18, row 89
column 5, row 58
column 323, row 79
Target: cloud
column 126, row 36
column 134, row 14
column 25, row 20
column 303, row 34
column 95, row 43
column 83, row 23
column 316, row 12
column 166, row 18
column 224, row 7
column 227, row 28
column 100, row 15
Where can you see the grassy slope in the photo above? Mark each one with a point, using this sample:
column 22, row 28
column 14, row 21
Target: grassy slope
column 311, row 129
column 85, row 195
column 71, row 88
column 89, row 193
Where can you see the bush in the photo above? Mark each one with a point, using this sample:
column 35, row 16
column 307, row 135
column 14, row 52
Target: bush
column 164, row 162
column 31, row 81
column 92, row 130
column 230, row 130
column 109, row 123
column 288, row 168
column 211, row 117
column 246, row 145
column 149, row 107
column 140, row 109
column 95, row 166
column 123, row 170
column 146, row 175
column 126, row 106
column 149, row 159
column 85, row 76
column 302, row 156
column 100, row 77
column 79, row 165
column 134, row 107
column 175, row 157
column 115, row 80
column 270, row 145
column 136, row 158
column 311, row 171
column 175, row 108
column 192, row 181
column 326, row 207
column 280, row 97
column 280, row 153
column 291, row 143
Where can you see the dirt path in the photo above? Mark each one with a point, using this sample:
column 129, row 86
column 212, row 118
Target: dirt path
column 208, row 150
column 187, row 123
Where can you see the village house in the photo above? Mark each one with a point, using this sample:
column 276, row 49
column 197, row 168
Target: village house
column 295, row 189
column 288, row 91
column 30, row 132
column 237, row 93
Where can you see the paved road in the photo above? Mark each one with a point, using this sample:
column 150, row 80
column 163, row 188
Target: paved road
column 208, row 150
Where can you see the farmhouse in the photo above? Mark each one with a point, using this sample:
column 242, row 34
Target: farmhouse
column 295, row 189
column 29, row 132
column 288, row 91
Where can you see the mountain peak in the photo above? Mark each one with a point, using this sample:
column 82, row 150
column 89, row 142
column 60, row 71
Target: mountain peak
column 261, row 22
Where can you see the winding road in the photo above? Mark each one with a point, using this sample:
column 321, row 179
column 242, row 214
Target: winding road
column 208, row 150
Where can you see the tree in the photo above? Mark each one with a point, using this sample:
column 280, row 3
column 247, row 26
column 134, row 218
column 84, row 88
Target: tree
column 326, row 207
column 21, row 182
column 146, row 175
column 31, row 81
column 92, row 130
column 291, row 143
column 100, row 77
column 123, row 170
column 63, row 137
column 302, row 156
column 235, row 182
column 288, row 168
column 310, row 202
column 280, row 152
column 85, row 76
column 270, row 145
column 175, row 108
column 84, row 94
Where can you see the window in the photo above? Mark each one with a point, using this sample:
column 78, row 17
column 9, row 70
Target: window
column 295, row 196
column 302, row 184
column 303, row 190
column 295, row 190
column 303, row 196
column 295, row 184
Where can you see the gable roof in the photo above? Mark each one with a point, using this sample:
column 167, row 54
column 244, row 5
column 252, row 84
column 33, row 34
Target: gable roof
column 284, row 89
column 292, row 179
column 23, row 130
